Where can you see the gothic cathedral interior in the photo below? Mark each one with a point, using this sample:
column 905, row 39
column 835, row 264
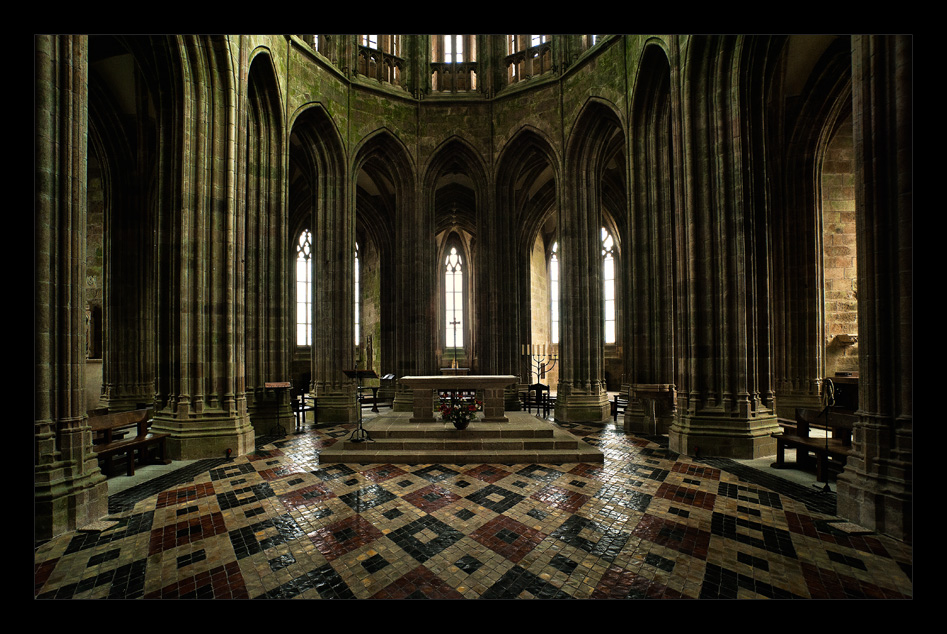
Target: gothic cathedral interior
column 729, row 216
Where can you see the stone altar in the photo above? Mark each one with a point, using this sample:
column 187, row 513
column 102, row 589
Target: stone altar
column 492, row 386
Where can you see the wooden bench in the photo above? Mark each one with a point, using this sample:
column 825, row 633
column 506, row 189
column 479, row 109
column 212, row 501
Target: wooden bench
column 831, row 450
column 302, row 403
column 619, row 404
column 542, row 400
column 111, row 438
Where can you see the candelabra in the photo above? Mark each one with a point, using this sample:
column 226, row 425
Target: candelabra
column 539, row 361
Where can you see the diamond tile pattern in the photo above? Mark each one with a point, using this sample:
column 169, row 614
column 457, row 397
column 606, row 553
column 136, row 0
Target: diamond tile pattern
column 645, row 524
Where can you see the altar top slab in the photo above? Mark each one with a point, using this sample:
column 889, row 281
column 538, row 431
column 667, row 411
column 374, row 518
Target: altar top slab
column 447, row 380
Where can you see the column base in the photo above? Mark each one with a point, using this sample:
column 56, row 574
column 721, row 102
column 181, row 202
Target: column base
column 724, row 437
column 636, row 421
column 206, row 435
column 337, row 408
column 270, row 412
column 877, row 503
column 583, row 408
column 62, row 503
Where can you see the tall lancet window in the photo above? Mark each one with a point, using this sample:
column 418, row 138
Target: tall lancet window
column 357, row 304
column 304, row 289
column 554, row 293
column 454, row 299
column 608, row 290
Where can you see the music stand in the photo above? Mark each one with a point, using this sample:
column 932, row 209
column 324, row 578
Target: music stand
column 359, row 434
column 828, row 397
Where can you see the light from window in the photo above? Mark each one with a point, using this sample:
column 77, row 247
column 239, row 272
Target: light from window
column 453, row 49
column 357, row 320
column 454, row 299
column 608, row 277
column 554, row 293
column 304, row 289
column 371, row 41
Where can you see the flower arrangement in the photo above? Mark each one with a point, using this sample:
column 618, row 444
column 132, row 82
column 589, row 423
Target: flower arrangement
column 460, row 411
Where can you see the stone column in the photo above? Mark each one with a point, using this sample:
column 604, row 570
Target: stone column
column 652, row 268
column 581, row 393
column 334, row 302
column 263, row 218
column 416, row 282
column 200, row 383
column 797, row 260
column 126, row 154
column 725, row 397
column 69, row 490
column 497, row 299
column 876, row 488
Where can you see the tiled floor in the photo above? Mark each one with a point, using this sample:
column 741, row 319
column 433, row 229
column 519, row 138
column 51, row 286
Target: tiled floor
column 646, row 524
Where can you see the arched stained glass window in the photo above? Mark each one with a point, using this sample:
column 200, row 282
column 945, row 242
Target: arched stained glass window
column 454, row 299
column 609, row 293
column 304, row 289
column 608, row 281
column 554, row 293
column 357, row 300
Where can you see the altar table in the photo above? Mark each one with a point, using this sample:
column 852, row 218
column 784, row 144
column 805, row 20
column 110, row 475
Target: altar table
column 492, row 386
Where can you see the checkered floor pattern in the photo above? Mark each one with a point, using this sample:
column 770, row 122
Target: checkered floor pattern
column 647, row 523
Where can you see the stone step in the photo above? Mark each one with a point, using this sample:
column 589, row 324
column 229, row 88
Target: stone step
column 394, row 439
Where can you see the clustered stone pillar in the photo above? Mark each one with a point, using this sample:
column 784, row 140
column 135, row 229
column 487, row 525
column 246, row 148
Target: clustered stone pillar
column 652, row 271
column 415, row 338
column 497, row 296
column 876, row 488
column 725, row 396
column 334, row 305
column 262, row 226
column 69, row 489
column 125, row 155
column 581, row 393
column 200, row 387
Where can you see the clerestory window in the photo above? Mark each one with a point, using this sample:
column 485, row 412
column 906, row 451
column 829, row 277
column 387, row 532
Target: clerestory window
column 304, row 289
column 379, row 57
column 453, row 63
column 527, row 56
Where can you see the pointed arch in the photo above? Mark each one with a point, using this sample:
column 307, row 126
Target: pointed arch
column 528, row 191
column 318, row 193
column 653, row 282
column 595, row 175
column 455, row 182
column 268, row 252
column 384, row 184
column 826, row 101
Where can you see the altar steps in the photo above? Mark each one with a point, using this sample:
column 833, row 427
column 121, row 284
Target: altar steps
column 525, row 439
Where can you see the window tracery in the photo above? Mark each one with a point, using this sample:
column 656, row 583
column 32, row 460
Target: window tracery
column 304, row 289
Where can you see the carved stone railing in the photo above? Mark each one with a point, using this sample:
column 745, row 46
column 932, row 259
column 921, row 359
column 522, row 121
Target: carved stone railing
column 529, row 62
column 376, row 64
column 454, row 76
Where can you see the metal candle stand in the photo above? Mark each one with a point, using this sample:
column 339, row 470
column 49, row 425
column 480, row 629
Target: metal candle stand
column 539, row 363
column 359, row 434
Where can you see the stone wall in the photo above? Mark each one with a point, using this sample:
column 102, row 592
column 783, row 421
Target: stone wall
column 838, row 253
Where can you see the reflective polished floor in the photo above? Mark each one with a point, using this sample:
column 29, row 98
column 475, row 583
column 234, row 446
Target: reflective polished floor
column 648, row 523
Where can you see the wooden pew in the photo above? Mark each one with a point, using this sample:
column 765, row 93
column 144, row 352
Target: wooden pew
column 111, row 438
column 619, row 404
column 832, row 450
column 301, row 403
